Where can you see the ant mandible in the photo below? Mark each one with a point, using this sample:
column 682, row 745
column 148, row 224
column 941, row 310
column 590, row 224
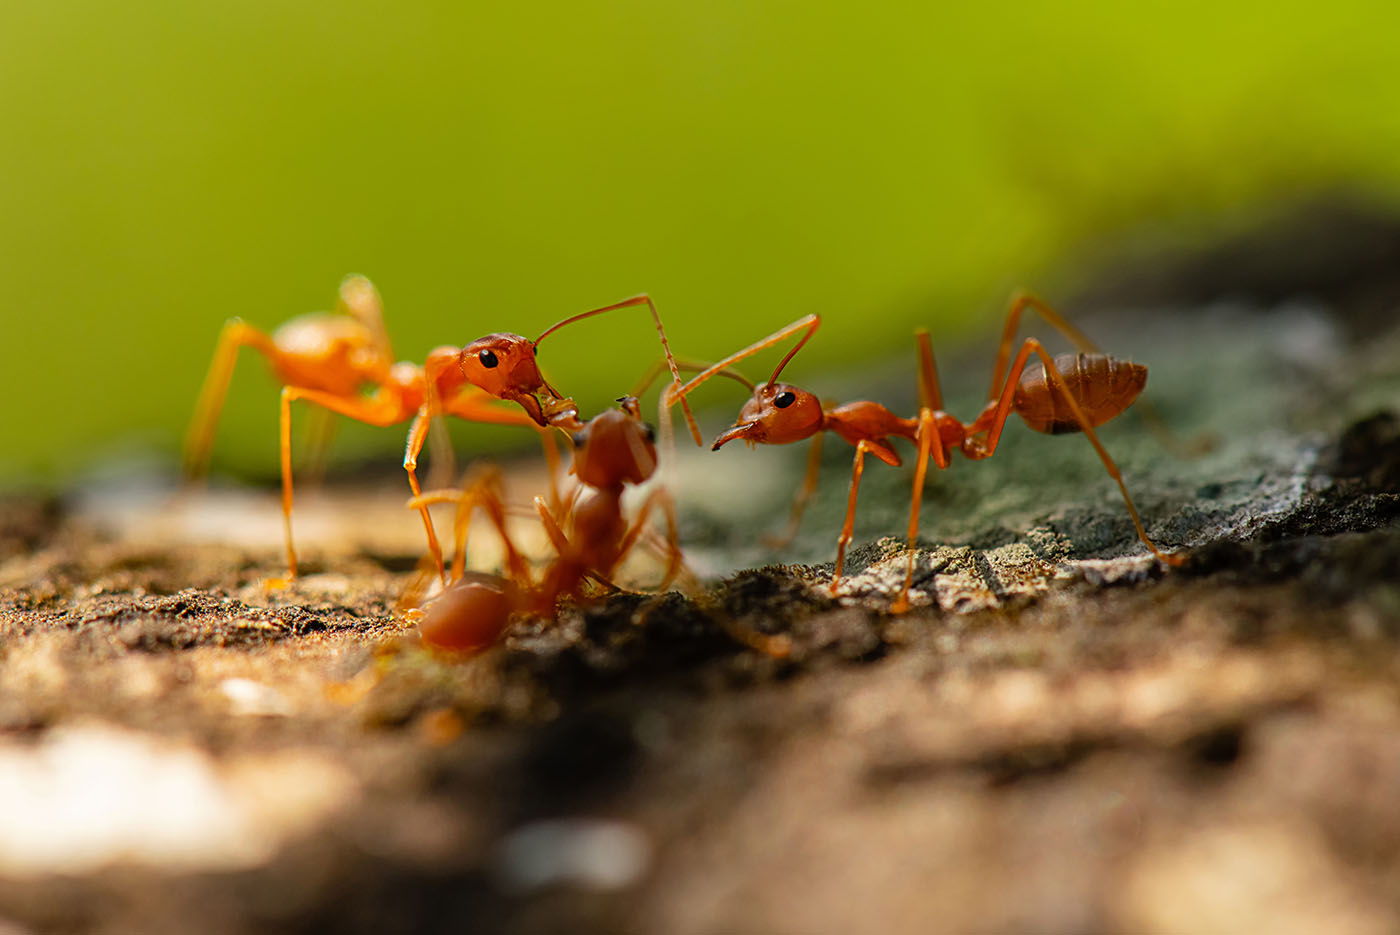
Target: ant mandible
column 1068, row 393
column 611, row 451
column 328, row 359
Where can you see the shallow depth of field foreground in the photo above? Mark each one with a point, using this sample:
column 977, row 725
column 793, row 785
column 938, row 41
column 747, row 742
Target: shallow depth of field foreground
column 1062, row 735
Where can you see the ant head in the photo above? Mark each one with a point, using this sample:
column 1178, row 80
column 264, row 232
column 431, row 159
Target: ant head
column 502, row 365
column 615, row 447
column 776, row 414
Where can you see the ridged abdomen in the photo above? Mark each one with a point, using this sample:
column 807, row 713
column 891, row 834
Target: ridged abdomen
column 1103, row 386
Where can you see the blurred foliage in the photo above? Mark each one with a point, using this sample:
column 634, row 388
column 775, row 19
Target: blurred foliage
column 165, row 165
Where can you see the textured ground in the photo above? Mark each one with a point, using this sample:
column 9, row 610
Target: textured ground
column 1061, row 736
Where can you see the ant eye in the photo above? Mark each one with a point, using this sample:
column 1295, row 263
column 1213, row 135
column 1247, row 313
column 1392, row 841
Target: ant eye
column 785, row 399
column 579, row 439
column 649, row 432
column 488, row 359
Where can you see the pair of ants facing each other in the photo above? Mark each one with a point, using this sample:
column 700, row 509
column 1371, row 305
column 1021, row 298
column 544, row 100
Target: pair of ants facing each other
column 331, row 359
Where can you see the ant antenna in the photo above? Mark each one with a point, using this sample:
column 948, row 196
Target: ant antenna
column 810, row 322
column 816, row 321
column 688, row 366
column 642, row 299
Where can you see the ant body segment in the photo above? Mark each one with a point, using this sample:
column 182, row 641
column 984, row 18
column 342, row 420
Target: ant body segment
column 1053, row 395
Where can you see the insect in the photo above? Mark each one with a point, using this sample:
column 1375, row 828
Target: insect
column 612, row 451
column 1054, row 395
column 331, row 359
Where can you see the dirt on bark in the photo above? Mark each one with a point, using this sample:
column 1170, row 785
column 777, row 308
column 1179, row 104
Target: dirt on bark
column 1063, row 734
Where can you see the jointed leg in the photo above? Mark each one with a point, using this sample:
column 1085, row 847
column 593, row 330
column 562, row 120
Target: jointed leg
column 1188, row 448
column 804, row 495
column 374, row 411
column 930, row 395
column 475, row 405
column 417, row 433
column 675, row 560
column 1019, row 303
column 928, row 442
column 848, row 529
column 317, row 437
column 481, row 490
column 199, row 441
column 1003, row 409
column 552, row 527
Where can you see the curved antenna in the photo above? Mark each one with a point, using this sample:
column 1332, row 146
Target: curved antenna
column 643, row 299
column 689, row 366
column 816, row 322
column 809, row 322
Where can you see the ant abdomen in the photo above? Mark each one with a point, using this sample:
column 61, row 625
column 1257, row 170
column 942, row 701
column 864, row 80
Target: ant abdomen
column 469, row 615
column 1103, row 387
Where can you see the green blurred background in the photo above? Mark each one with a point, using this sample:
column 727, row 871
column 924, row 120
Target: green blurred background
column 166, row 165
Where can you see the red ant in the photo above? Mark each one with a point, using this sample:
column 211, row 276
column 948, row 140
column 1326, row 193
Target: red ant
column 1069, row 393
column 329, row 359
column 611, row 451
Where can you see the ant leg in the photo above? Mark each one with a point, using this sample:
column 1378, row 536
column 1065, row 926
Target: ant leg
column 485, row 492
column 930, row 396
column 318, row 435
column 675, row 559
column 1021, row 301
column 373, row 411
column 551, row 527
column 1176, row 446
column 481, row 490
column 1003, row 409
column 931, row 399
column 417, row 434
column 476, row 405
column 473, row 407
column 199, row 440
column 928, row 435
column 804, row 494
column 848, row 529
column 442, row 459
column 551, row 464
column 359, row 299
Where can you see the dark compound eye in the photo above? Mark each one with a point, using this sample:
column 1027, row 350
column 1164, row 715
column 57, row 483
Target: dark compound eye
column 785, row 399
column 649, row 433
column 580, row 439
column 488, row 359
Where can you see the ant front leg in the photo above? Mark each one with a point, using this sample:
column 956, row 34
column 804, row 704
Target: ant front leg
column 417, row 434
column 380, row 410
column 994, row 420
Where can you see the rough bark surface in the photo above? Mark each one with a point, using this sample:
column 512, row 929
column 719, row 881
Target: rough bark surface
column 1062, row 735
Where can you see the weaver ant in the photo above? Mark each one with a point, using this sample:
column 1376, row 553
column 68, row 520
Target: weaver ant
column 1068, row 393
column 330, row 359
column 611, row 451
